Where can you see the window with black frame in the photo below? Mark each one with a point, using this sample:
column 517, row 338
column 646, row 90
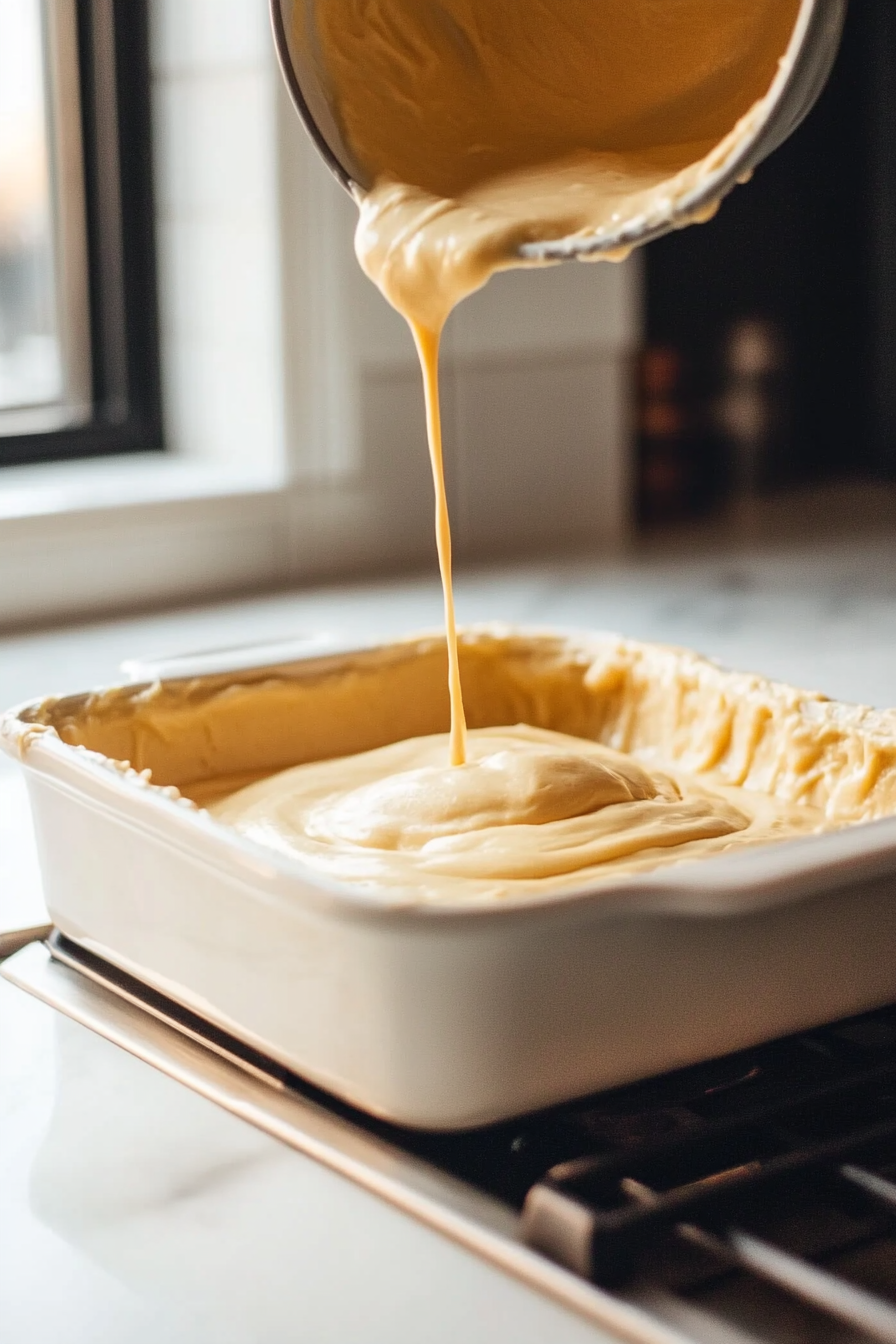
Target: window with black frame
column 79, row 368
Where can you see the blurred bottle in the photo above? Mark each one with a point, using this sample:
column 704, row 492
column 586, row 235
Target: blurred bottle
column 753, row 407
column 666, row 460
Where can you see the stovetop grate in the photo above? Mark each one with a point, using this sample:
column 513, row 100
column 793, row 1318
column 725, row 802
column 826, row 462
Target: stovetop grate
column 775, row 1165
column 748, row 1198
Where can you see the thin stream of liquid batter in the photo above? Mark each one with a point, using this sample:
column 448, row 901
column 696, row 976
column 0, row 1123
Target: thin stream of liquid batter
column 428, row 349
column 452, row 202
column 487, row 128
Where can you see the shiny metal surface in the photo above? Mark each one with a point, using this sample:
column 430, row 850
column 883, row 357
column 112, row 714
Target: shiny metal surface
column 814, row 45
column 13, row 940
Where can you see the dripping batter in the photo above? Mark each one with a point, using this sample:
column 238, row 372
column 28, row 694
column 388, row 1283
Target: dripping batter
column 480, row 128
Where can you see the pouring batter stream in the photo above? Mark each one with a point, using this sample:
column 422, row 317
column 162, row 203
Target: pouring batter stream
column 481, row 129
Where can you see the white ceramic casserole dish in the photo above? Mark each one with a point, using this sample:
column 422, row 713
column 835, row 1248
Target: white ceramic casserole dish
column 458, row 1014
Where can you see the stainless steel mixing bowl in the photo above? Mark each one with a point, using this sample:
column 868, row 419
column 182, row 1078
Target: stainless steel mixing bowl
column 813, row 47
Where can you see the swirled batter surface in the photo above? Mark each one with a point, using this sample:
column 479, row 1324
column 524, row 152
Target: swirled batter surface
column 530, row 808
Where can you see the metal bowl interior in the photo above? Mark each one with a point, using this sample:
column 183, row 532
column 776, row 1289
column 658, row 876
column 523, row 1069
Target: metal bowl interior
column 801, row 77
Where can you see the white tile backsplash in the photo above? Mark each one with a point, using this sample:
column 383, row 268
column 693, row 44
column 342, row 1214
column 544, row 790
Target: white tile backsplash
column 537, row 452
column 219, row 286
column 397, row 466
column 215, row 147
column 196, row 35
column 556, row 308
column 218, row 398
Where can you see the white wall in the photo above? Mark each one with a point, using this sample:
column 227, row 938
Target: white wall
column 216, row 193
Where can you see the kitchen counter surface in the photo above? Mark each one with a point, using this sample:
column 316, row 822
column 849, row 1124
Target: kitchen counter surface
column 133, row 1210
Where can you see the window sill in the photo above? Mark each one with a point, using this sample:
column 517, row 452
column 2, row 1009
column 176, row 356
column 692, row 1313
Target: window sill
column 89, row 537
column 54, row 488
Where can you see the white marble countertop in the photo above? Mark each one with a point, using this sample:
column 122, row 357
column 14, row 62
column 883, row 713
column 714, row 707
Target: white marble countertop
column 132, row 1210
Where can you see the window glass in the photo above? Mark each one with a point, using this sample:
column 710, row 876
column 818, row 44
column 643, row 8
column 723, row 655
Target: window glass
column 30, row 360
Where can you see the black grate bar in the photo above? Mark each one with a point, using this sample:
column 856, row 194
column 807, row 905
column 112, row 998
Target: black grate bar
column 774, row 1116
column 619, row 1235
column 564, row 1228
column 812, row 1284
column 878, row 1187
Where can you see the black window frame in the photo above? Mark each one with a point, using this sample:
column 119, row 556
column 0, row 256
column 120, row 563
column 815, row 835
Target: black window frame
column 116, row 129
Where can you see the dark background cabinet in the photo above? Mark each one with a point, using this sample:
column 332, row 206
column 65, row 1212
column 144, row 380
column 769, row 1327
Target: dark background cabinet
column 808, row 248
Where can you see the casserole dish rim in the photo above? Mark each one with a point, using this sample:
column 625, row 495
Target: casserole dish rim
column 746, row 880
